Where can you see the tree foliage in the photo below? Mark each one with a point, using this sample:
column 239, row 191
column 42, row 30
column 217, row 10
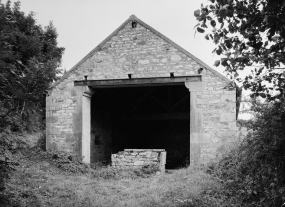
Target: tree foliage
column 249, row 34
column 29, row 61
column 253, row 172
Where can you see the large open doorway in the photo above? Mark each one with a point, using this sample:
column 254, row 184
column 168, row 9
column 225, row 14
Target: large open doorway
column 153, row 117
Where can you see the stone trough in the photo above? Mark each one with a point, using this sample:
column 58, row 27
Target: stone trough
column 139, row 158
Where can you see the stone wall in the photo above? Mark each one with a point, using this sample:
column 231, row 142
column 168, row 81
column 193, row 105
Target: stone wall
column 101, row 136
column 173, row 138
column 63, row 117
column 217, row 108
column 136, row 50
column 139, row 157
column 143, row 53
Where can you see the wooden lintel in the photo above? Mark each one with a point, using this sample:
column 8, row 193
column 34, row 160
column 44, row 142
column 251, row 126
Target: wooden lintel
column 138, row 81
column 158, row 116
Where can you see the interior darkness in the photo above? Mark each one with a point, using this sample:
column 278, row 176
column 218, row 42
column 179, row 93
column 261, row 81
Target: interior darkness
column 142, row 118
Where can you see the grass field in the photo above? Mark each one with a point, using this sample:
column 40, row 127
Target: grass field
column 38, row 182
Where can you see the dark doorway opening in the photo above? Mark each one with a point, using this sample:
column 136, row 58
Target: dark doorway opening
column 154, row 117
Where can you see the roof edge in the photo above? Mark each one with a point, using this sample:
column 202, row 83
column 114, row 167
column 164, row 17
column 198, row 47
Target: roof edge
column 134, row 18
column 131, row 18
column 183, row 50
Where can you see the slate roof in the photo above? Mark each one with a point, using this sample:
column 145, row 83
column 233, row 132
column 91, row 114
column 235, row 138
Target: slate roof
column 134, row 18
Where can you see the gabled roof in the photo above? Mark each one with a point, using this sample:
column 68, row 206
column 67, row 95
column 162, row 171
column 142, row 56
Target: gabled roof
column 134, row 18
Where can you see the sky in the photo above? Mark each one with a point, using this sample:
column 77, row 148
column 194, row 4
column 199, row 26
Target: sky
column 83, row 24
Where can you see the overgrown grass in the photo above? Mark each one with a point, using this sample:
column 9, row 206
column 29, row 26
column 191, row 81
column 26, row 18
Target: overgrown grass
column 39, row 181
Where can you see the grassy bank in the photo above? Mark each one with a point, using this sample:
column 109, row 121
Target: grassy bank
column 40, row 181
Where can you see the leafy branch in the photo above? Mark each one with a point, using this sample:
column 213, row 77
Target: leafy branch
column 247, row 33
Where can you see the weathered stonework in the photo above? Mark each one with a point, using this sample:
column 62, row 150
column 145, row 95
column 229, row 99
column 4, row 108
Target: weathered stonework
column 101, row 137
column 144, row 53
column 140, row 157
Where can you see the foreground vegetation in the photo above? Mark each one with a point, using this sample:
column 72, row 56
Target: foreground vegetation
column 250, row 174
column 53, row 179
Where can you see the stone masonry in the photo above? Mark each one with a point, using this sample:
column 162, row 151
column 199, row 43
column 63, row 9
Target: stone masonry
column 144, row 52
column 140, row 157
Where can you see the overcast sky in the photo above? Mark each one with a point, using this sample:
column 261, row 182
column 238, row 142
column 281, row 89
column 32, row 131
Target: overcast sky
column 83, row 24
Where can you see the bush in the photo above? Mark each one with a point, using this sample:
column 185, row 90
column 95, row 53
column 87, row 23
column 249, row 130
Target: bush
column 65, row 161
column 9, row 144
column 41, row 143
column 108, row 172
column 253, row 173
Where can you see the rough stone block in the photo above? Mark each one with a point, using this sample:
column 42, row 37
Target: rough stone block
column 143, row 62
column 232, row 126
column 231, row 107
column 228, row 117
column 200, row 138
column 154, row 154
column 225, row 135
column 230, row 92
column 175, row 58
column 162, row 158
column 195, row 153
column 214, row 101
column 138, row 162
column 228, row 98
column 200, row 101
column 195, row 86
column 208, row 152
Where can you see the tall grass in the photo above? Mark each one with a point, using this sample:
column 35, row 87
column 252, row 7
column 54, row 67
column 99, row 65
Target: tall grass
column 39, row 182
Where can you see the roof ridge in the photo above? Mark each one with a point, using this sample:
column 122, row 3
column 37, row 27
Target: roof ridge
column 134, row 18
column 183, row 50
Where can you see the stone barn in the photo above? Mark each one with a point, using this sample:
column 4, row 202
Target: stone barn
column 140, row 90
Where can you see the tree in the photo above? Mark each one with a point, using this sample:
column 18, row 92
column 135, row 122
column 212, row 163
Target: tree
column 252, row 172
column 29, row 61
column 248, row 34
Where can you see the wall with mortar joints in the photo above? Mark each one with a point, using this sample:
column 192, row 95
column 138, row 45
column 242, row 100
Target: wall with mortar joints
column 143, row 53
column 62, row 104
column 218, row 108
column 140, row 51
column 135, row 157
column 101, row 136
